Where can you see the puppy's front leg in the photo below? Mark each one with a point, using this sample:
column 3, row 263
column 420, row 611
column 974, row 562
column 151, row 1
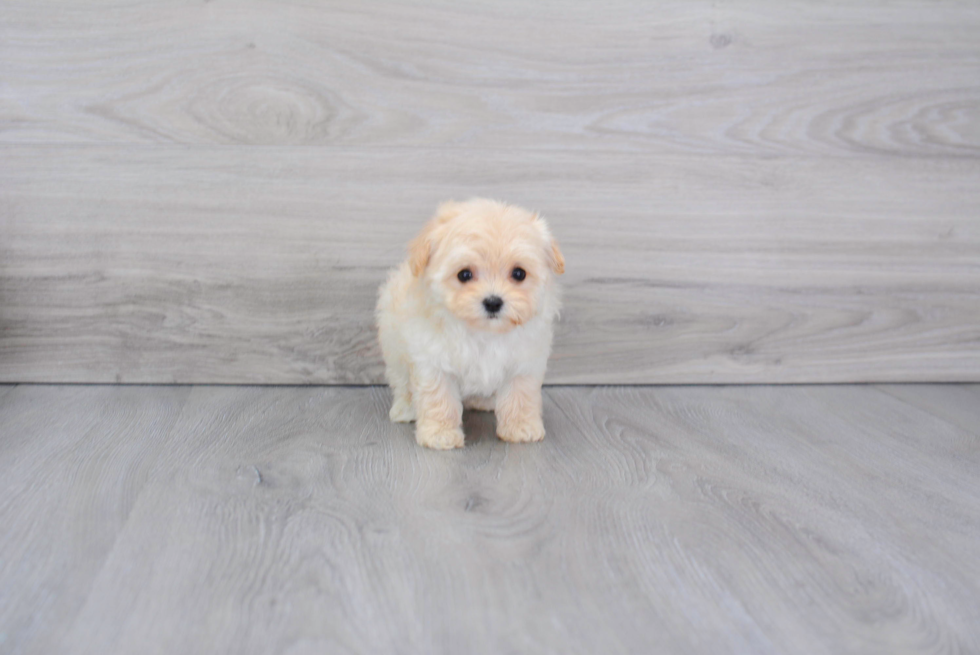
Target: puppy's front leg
column 519, row 410
column 440, row 412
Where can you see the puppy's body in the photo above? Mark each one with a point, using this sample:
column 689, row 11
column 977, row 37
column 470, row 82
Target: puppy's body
column 417, row 332
column 484, row 341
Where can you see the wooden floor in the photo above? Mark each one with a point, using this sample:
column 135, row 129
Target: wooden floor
column 794, row 519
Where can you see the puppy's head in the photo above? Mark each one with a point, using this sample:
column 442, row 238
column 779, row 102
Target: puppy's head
column 489, row 263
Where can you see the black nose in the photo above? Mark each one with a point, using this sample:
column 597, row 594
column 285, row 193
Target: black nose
column 493, row 304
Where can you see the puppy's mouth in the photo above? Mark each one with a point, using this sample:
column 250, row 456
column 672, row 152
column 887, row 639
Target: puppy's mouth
column 498, row 322
column 498, row 317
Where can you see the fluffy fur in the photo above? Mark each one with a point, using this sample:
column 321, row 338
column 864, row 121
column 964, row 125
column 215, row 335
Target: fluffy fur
column 443, row 347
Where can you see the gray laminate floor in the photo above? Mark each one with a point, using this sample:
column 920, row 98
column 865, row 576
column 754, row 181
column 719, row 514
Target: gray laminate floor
column 799, row 519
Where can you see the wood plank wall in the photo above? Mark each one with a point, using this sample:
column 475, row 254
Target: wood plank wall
column 745, row 191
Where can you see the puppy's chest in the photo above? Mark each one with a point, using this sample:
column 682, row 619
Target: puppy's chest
column 482, row 366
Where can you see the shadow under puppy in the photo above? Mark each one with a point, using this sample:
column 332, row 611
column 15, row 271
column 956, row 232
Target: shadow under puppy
column 467, row 320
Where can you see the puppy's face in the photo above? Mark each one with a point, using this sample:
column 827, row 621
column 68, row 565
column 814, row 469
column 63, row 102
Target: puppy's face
column 488, row 263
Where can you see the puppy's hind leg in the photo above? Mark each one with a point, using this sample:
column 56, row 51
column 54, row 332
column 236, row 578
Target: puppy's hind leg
column 399, row 378
column 398, row 368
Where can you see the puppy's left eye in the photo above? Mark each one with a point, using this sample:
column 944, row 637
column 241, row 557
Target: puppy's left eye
column 518, row 274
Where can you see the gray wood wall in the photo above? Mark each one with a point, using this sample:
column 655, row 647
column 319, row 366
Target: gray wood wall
column 745, row 191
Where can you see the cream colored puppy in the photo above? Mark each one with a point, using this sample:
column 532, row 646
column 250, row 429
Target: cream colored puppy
column 467, row 319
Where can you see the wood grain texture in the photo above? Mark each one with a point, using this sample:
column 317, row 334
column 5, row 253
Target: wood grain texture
column 744, row 77
column 192, row 264
column 795, row 519
column 211, row 192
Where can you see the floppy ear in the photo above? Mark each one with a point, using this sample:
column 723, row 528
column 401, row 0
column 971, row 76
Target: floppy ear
column 419, row 252
column 421, row 247
column 557, row 260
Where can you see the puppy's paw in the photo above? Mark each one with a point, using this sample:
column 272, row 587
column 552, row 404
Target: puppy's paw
column 402, row 411
column 525, row 431
column 440, row 438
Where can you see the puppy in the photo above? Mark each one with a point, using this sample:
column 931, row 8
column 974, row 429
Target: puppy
column 466, row 321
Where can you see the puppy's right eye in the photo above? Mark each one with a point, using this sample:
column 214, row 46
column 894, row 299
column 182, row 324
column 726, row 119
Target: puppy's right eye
column 465, row 275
